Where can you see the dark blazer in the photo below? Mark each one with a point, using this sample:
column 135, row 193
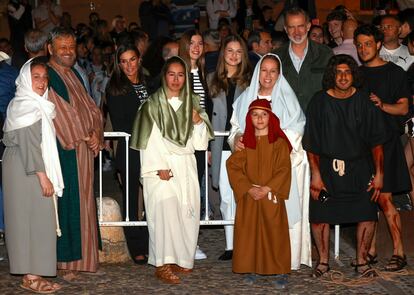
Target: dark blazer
column 309, row 79
column 122, row 111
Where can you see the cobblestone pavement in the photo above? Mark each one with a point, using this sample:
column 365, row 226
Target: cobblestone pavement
column 210, row 277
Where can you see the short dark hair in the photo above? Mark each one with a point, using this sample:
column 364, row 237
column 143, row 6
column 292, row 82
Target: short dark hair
column 391, row 16
column 407, row 16
column 254, row 37
column 58, row 32
column 329, row 77
column 296, row 11
column 336, row 15
column 369, row 30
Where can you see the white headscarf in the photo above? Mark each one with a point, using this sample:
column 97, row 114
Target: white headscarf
column 285, row 104
column 25, row 109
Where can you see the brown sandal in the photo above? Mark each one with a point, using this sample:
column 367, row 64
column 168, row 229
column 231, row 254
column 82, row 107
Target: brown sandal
column 317, row 272
column 371, row 259
column 68, row 275
column 39, row 285
column 165, row 274
column 178, row 269
column 368, row 272
column 396, row 263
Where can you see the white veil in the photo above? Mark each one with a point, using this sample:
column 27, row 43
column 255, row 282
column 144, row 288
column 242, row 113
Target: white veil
column 285, row 104
column 25, row 109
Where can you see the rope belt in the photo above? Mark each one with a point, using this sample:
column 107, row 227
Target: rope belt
column 339, row 166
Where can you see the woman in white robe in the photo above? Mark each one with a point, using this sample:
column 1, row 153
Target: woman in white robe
column 286, row 107
column 168, row 129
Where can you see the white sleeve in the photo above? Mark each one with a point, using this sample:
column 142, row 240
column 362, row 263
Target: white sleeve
column 153, row 158
column 234, row 131
column 200, row 137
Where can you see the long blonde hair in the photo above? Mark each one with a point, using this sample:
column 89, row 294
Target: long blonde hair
column 242, row 75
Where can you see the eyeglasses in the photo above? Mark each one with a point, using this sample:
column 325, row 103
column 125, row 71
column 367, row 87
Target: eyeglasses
column 386, row 27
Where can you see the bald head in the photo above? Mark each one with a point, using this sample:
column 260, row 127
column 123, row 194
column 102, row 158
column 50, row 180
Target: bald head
column 348, row 28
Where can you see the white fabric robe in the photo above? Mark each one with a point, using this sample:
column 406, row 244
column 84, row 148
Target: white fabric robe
column 173, row 206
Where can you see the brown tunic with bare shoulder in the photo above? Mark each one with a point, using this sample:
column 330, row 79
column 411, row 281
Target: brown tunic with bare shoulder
column 261, row 236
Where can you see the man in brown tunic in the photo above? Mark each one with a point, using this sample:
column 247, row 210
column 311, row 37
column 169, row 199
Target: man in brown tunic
column 78, row 125
column 260, row 177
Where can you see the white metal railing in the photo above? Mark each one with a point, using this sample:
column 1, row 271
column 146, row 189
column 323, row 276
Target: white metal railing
column 127, row 222
column 205, row 221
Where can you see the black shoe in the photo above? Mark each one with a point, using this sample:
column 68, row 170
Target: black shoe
column 141, row 261
column 227, row 255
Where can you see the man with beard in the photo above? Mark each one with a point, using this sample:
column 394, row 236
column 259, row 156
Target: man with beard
column 389, row 91
column 304, row 61
column 343, row 138
column 78, row 126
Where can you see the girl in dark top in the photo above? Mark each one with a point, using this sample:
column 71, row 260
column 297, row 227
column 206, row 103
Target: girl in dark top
column 230, row 79
column 125, row 93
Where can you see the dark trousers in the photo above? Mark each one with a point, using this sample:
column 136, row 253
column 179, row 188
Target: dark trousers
column 136, row 236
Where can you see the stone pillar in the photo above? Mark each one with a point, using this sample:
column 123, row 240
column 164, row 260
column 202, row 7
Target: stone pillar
column 114, row 247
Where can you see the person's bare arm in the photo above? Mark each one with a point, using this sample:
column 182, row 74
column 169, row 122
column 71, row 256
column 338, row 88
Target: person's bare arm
column 45, row 184
column 376, row 182
column 399, row 109
column 316, row 179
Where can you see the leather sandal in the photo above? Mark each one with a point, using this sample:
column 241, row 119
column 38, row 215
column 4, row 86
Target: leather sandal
column 68, row 275
column 371, row 259
column 39, row 285
column 368, row 272
column 165, row 274
column 396, row 263
column 317, row 272
column 178, row 269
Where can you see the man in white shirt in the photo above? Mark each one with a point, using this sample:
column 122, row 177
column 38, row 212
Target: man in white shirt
column 391, row 49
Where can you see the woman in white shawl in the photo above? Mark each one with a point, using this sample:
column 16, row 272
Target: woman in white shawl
column 32, row 175
column 268, row 82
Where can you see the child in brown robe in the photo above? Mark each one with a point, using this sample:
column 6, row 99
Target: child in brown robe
column 260, row 177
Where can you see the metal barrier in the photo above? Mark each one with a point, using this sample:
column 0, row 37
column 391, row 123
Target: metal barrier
column 205, row 221
column 127, row 222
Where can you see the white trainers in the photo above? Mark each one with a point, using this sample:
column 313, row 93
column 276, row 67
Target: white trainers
column 199, row 254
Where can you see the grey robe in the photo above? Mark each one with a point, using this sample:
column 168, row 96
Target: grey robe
column 30, row 225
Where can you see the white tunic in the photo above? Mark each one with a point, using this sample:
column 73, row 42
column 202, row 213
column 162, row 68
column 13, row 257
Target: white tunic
column 173, row 206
